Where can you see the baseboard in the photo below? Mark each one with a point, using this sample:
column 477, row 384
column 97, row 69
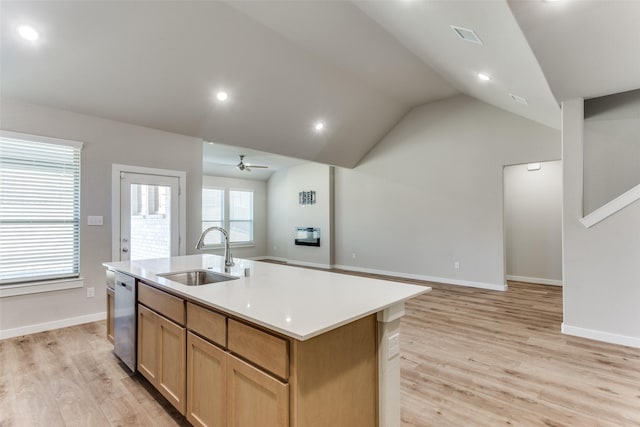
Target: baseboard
column 593, row 334
column 536, row 280
column 271, row 258
column 308, row 264
column 448, row 281
column 49, row 326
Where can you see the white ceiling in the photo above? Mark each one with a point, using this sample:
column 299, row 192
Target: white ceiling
column 221, row 160
column 359, row 66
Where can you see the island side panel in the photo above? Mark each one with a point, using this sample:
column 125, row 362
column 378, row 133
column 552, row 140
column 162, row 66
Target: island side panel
column 334, row 377
column 389, row 365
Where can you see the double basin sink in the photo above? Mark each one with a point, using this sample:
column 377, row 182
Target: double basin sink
column 197, row 277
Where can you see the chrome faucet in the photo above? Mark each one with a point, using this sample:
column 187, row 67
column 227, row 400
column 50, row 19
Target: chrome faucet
column 228, row 258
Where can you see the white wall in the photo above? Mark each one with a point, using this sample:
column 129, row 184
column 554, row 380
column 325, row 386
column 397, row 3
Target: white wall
column 533, row 223
column 601, row 290
column 611, row 147
column 285, row 214
column 430, row 193
column 105, row 142
column 259, row 189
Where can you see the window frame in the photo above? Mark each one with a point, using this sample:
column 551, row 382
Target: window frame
column 226, row 220
column 36, row 284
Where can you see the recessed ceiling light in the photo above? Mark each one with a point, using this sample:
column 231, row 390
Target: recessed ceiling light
column 533, row 167
column 484, row 77
column 518, row 99
column 318, row 126
column 222, row 96
column 28, row 33
column 466, row 34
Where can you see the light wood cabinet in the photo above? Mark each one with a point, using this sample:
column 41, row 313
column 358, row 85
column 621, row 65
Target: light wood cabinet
column 266, row 350
column 255, row 398
column 162, row 355
column 172, row 369
column 220, row 371
column 206, row 383
column 147, row 343
column 110, row 315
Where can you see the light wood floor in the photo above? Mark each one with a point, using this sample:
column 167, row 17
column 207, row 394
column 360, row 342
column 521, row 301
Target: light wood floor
column 470, row 357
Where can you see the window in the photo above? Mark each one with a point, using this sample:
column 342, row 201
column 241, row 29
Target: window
column 230, row 209
column 240, row 224
column 212, row 213
column 39, row 208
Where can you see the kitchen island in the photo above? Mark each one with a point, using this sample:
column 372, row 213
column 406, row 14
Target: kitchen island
column 285, row 345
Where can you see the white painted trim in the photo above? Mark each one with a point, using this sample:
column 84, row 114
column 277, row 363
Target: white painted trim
column 612, row 207
column 308, row 264
column 40, row 138
column 49, row 326
column 593, row 334
column 116, row 170
column 491, row 286
column 537, row 280
column 482, row 285
column 36, row 288
column 271, row 258
column 392, row 313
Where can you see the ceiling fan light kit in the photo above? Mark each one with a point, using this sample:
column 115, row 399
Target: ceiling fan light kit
column 246, row 167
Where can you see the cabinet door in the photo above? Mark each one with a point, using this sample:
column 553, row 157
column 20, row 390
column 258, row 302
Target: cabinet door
column 255, row 398
column 110, row 315
column 171, row 374
column 147, row 343
column 206, row 383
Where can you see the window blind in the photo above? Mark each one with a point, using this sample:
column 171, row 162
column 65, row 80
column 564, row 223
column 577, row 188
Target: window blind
column 39, row 208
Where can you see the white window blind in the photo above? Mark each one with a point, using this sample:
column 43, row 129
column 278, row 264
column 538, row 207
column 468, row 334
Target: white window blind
column 39, row 208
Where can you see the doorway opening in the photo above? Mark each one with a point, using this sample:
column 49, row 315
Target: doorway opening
column 148, row 213
column 533, row 222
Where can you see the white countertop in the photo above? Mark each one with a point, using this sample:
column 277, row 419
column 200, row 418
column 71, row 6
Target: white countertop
column 297, row 302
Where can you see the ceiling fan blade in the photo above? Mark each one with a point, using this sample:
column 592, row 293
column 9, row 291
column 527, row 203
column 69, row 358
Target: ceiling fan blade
column 258, row 166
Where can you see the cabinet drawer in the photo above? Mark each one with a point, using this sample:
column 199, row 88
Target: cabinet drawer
column 165, row 304
column 265, row 350
column 207, row 323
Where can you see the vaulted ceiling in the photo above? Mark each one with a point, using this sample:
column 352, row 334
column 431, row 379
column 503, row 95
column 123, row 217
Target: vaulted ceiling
column 356, row 66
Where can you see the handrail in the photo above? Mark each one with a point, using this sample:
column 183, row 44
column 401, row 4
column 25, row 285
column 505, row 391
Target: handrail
column 617, row 204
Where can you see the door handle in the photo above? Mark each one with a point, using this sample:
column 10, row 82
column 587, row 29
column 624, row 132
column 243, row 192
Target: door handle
column 125, row 250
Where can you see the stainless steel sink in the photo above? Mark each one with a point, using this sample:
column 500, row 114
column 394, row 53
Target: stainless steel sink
column 197, row 277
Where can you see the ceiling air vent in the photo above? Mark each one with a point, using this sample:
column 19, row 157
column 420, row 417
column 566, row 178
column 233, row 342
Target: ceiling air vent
column 518, row 99
column 466, row 34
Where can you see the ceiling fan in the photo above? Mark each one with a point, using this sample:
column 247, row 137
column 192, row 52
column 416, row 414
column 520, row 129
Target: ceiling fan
column 242, row 166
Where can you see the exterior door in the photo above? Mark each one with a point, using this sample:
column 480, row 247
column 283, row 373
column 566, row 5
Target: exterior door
column 149, row 216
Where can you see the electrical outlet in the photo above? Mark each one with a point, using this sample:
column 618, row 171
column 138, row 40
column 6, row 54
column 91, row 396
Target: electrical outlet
column 353, row 255
column 91, row 292
column 456, row 265
column 394, row 346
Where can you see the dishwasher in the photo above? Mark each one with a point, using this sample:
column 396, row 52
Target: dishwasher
column 125, row 319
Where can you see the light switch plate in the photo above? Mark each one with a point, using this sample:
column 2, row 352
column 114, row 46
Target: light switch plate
column 95, row 220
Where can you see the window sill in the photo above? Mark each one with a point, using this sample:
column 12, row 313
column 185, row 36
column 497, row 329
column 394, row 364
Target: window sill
column 38, row 287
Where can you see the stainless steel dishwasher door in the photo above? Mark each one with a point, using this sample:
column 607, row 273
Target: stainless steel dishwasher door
column 125, row 320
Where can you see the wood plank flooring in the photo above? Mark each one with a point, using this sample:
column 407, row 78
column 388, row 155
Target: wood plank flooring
column 474, row 357
column 470, row 357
